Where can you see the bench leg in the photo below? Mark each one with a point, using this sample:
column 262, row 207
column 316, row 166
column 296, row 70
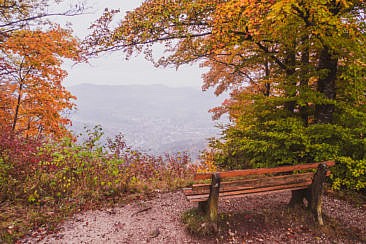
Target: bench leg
column 203, row 207
column 316, row 191
column 297, row 197
column 210, row 206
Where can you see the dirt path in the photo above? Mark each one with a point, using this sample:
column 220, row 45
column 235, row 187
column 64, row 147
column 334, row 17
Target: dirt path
column 252, row 219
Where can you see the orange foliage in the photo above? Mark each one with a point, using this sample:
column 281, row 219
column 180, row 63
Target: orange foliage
column 32, row 98
column 257, row 47
column 227, row 35
column 207, row 163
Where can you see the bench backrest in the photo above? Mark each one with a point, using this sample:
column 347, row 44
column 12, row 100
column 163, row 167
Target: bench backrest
column 262, row 171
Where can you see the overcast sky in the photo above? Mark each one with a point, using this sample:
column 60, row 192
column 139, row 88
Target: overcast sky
column 112, row 69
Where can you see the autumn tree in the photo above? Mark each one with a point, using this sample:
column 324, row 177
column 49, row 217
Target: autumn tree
column 33, row 101
column 36, row 98
column 295, row 69
column 32, row 49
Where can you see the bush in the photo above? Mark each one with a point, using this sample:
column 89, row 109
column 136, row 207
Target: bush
column 63, row 176
column 18, row 159
column 287, row 141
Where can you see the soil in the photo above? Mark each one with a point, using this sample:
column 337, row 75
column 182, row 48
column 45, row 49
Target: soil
column 251, row 219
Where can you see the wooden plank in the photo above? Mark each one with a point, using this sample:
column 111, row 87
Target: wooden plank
column 259, row 171
column 235, row 194
column 198, row 198
column 303, row 185
column 266, row 192
column 265, row 189
column 187, row 191
column 279, row 180
column 253, row 183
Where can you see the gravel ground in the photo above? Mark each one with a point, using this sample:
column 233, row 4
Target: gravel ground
column 252, row 219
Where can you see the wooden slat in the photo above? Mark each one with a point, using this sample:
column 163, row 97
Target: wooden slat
column 188, row 191
column 253, row 183
column 259, row 171
column 198, row 198
column 265, row 192
column 265, row 189
column 232, row 194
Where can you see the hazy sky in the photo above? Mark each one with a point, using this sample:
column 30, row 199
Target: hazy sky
column 112, row 68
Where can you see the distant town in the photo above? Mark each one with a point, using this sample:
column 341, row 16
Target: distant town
column 153, row 118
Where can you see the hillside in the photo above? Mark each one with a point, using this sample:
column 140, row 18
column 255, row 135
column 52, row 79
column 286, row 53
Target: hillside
column 153, row 118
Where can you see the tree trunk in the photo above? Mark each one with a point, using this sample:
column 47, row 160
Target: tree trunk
column 290, row 61
column 326, row 85
column 16, row 114
column 304, row 79
column 267, row 86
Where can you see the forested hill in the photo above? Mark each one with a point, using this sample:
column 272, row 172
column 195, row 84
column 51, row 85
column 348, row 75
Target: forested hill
column 153, row 118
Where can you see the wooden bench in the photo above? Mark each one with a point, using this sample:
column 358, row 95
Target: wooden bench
column 302, row 180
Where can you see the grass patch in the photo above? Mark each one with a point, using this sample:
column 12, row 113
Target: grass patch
column 197, row 224
column 293, row 224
